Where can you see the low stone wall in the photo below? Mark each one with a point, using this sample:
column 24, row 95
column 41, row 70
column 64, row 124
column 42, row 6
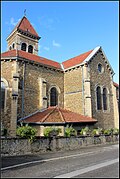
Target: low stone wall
column 16, row 146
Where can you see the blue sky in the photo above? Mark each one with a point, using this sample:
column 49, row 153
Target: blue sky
column 67, row 29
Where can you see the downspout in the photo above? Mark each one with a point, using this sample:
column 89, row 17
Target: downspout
column 63, row 71
column 83, row 90
column 23, row 84
column 63, row 89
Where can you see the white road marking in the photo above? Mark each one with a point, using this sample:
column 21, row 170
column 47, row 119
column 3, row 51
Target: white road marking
column 111, row 147
column 46, row 160
column 57, row 158
column 87, row 169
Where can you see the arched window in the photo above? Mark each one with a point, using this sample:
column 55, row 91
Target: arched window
column 2, row 95
column 100, row 68
column 53, row 97
column 30, row 49
column 23, row 46
column 98, row 95
column 10, row 48
column 104, row 98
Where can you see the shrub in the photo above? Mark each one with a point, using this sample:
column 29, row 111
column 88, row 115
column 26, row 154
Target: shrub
column 85, row 131
column 97, row 131
column 27, row 132
column 52, row 131
column 70, row 131
column 115, row 131
column 111, row 131
column 107, row 131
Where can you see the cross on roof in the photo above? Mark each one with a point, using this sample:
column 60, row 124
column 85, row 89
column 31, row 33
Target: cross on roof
column 25, row 12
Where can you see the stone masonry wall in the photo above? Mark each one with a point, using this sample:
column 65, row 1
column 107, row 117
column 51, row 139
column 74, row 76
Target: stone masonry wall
column 116, row 108
column 7, row 74
column 10, row 147
column 12, row 40
column 73, row 92
column 29, row 41
column 18, row 39
column 32, row 87
column 105, row 118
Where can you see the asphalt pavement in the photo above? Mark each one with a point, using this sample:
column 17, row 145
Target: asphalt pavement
column 8, row 161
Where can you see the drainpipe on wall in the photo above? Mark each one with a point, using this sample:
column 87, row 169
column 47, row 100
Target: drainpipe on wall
column 83, row 90
column 23, row 83
column 63, row 87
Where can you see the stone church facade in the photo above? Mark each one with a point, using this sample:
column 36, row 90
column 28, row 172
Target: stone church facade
column 31, row 84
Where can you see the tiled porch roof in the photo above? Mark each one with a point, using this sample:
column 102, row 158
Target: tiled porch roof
column 55, row 115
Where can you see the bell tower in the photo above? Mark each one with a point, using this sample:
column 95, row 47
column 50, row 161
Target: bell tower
column 23, row 37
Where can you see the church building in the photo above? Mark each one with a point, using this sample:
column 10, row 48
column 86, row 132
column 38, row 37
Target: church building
column 41, row 92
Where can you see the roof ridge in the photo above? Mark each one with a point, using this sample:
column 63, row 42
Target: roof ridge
column 65, row 65
column 78, row 113
column 77, row 55
column 31, row 57
column 23, row 22
column 44, row 58
column 48, row 114
column 61, row 115
column 92, row 53
column 18, row 24
column 15, row 28
column 30, row 115
column 70, row 116
column 80, row 59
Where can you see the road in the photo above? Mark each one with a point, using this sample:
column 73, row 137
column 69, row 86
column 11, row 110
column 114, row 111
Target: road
column 89, row 162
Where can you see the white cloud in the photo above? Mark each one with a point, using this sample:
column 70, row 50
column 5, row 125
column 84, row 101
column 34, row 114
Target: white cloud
column 47, row 48
column 55, row 44
column 12, row 21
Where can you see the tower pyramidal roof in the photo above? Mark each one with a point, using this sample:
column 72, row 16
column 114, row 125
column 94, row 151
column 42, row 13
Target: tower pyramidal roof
column 24, row 26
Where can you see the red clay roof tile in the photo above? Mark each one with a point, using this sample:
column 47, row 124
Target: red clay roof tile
column 66, row 64
column 70, row 116
column 31, row 57
column 25, row 25
column 58, row 115
column 76, row 60
column 11, row 53
column 116, row 85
